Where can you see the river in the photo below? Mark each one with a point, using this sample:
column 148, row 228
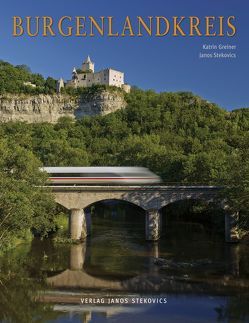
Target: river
column 190, row 275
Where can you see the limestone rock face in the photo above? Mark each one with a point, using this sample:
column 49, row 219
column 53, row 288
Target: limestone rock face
column 100, row 103
column 49, row 108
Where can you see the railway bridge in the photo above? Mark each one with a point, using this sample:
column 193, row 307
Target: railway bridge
column 150, row 198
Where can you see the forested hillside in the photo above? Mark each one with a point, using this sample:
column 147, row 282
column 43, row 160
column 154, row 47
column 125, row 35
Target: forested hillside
column 179, row 136
column 14, row 79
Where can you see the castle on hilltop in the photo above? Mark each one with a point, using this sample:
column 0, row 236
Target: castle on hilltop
column 86, row 77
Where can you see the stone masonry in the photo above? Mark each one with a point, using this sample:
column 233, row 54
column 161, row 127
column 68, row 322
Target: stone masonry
column 150, row 199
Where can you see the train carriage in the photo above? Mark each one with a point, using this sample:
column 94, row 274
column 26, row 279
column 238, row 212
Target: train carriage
column 100, row 175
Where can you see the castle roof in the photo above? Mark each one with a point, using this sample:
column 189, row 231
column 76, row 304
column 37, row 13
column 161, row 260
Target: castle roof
column 88, row 60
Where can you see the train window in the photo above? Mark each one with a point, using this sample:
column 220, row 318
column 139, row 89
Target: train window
column 64, row 175
column 135, row 174
column 100, row 175
column 84, row 175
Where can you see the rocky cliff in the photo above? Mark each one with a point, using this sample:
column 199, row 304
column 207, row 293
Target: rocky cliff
column 49, row 108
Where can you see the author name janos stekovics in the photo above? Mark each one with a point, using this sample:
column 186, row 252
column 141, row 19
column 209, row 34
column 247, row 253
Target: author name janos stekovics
column 156, row 26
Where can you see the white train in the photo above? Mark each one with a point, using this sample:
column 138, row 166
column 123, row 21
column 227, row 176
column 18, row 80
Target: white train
column 100, row 175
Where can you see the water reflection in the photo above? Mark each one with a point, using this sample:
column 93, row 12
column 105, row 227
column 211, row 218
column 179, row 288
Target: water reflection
column 77, row 277
column 202, row 278
column 187, row 308
column 159, row 274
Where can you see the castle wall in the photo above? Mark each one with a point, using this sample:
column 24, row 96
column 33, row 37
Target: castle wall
column 108, row 77
column 116, row 78
column 85, row 80
column 100, row 77
column 105, row 77
column 88, row 66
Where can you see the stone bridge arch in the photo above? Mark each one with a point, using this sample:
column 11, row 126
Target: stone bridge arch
column 149, row 198
column 230, row 216
column 115, row 199
column 88, row 215
column 71, row 200
column 176, row 199
column 173, row 206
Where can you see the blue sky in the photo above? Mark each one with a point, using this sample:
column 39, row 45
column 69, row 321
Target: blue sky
column 162, row 64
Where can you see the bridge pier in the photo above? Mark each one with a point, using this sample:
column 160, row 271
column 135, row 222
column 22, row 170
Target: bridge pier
column 79, row 224
column 76, row 198
column 153, row 225
column 77, row 256
column 231, row 221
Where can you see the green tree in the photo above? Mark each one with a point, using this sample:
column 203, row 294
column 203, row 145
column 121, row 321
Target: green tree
column 23, row 203
column 237, row 190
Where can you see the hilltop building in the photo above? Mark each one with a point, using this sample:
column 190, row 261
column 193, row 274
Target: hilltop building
column 30, row 84
column 86, row 77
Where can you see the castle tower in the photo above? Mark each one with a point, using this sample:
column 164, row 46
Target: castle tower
column 74, row 74
column 88, row 65
column 59, row 85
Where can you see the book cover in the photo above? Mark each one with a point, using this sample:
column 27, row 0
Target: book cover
column 124, row 161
